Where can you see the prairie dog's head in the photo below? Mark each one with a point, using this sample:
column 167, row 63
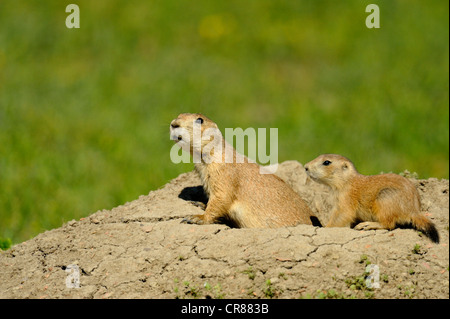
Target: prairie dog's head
column 331, row 169
column 193, row 131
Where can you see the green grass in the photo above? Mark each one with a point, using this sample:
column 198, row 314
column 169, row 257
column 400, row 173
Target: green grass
column 84, row 113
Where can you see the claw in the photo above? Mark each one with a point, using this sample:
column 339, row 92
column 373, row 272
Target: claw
column 368, row 226
column 186, row 220
column 195, row 219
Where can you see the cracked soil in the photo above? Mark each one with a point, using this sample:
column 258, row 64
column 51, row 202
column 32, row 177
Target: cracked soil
column 142, row 250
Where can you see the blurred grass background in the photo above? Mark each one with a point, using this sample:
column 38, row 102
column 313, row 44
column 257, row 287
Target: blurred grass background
column 84, row 113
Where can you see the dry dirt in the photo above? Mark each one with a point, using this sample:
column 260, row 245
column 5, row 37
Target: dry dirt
column 142, row 250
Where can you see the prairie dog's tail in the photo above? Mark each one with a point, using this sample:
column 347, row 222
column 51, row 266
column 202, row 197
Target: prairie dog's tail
column 424, row 225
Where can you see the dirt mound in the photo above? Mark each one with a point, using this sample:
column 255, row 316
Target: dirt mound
column 141, row 250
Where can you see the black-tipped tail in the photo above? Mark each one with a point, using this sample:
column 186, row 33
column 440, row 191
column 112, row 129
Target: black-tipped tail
column 424, row 225
column 432, row 233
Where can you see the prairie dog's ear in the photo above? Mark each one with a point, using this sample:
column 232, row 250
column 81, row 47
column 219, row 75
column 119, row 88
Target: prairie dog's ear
column 344, row 166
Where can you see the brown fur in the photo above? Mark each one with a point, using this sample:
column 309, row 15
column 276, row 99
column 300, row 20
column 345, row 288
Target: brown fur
column 238, row 191
column 381, row 201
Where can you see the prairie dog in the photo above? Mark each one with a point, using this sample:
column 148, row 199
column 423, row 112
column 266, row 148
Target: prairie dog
column 237, row 191
column 379, row 202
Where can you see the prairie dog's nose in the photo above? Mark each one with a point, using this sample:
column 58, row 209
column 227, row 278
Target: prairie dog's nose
column 174, row 124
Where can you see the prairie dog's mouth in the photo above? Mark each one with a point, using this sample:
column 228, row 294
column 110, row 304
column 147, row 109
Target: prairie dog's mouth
column 176, row 133
column 318, row 178
column 175, row 137
column 311, row 174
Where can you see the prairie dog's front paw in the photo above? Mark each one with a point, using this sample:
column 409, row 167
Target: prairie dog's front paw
column 194, row 219
column 368, row 226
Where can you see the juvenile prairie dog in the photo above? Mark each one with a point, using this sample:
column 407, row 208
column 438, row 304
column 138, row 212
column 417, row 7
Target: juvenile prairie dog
column 381, row 201
column 237, row 191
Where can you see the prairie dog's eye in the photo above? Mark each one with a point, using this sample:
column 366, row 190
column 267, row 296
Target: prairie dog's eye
column 199, row 120
column 326, row 163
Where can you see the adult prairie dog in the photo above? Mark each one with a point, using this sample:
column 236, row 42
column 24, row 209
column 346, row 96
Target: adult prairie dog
column 237, row 191
column 376, row 202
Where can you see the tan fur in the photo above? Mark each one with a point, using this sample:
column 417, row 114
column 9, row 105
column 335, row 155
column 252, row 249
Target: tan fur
column 380, row 201
column 238, row 191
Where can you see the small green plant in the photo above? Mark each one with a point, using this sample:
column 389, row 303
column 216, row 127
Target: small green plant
column 359, row 282
column 327, row 294
column 416, row 249
column 250, row 272
column 356, row 283
column 408, row 174
column 195, row 292
column 219, row 294
column 192, row 290
column 369, row 294
column 364, row 260
column 282, row 275
column 175, row 288
column 5, row 243
column 408, row 291
column 216, row 290
column 269, row 292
